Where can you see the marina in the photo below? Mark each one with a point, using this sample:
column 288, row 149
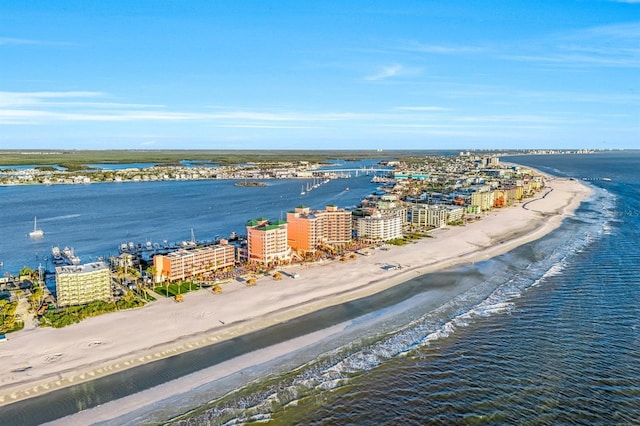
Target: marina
column 96, row 221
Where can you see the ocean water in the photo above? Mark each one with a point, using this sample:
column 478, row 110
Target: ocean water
column 546, row 334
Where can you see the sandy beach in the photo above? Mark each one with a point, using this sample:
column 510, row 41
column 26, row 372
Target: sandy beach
column 39, row 360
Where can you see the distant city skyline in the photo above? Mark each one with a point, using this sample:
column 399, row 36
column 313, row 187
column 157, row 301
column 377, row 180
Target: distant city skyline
column 320, row 74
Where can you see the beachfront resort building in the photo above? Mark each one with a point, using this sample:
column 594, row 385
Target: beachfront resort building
column 308, row 229
column 183, row 264
column 267, row 241
column 437, row 216
column 482, row 199
column 81, row 284
column 379, row 227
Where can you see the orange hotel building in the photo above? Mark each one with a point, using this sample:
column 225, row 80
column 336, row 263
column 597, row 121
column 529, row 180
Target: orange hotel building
column 182, row 264
column 309, row 228
column 267, row 241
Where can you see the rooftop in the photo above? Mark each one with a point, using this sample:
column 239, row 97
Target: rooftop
column 81, row 269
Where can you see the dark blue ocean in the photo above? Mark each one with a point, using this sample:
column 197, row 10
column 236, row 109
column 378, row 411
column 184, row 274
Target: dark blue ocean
column 548, row 333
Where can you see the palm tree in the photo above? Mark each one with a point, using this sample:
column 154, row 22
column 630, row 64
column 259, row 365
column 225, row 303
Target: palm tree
column 120, row 274
column 151, row 270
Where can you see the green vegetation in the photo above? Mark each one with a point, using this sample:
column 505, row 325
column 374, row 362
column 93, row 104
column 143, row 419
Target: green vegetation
column 174, row 289
column 77, row 159
column 409, row 238
column 251, row 183
column 73, row 314
column 27, row 272
column 8, row 320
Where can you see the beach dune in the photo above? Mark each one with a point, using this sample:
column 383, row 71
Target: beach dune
column 39, row 360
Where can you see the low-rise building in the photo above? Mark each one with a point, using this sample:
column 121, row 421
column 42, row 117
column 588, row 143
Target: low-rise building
column 183, row 264
column 82, row 284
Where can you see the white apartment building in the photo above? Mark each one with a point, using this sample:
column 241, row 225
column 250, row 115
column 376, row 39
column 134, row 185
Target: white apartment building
column 435, row 216
column 379, row 227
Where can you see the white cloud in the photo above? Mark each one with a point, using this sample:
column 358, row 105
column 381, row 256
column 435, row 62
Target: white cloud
column 12, row 41
column 422, row 108
column 20, row 99
column 444, row 49
column 385, row 73
column 19, row 108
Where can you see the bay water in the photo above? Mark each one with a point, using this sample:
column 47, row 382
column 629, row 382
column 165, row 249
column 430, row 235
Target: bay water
column 548, row 333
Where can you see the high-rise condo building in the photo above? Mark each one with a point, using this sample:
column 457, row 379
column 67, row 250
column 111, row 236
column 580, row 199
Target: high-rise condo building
column 379, row 227
column 267, row 241
column 308, row 229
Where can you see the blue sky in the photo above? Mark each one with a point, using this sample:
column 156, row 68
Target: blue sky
column 319, row 74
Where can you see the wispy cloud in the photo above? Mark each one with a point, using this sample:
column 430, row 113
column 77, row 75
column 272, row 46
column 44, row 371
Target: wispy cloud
column 46, row 108
column 625, row 30
column 12, row 41
column 386, row 72
column 615, row 45
column 43, row 107
column 20, row 99
column 442, row 49
column 422, row 108
column 392, row 71
column 265, row 126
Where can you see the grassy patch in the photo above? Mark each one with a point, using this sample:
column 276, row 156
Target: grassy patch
column 176, row 288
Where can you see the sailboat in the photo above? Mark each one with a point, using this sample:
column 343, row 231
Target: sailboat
column 36, row 233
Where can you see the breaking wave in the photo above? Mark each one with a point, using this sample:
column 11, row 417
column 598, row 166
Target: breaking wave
column 504, row 280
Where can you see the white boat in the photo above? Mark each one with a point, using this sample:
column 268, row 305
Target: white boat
column 36, row 233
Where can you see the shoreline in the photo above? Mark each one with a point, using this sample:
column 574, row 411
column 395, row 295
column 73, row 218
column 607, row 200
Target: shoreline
column 94, row 348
